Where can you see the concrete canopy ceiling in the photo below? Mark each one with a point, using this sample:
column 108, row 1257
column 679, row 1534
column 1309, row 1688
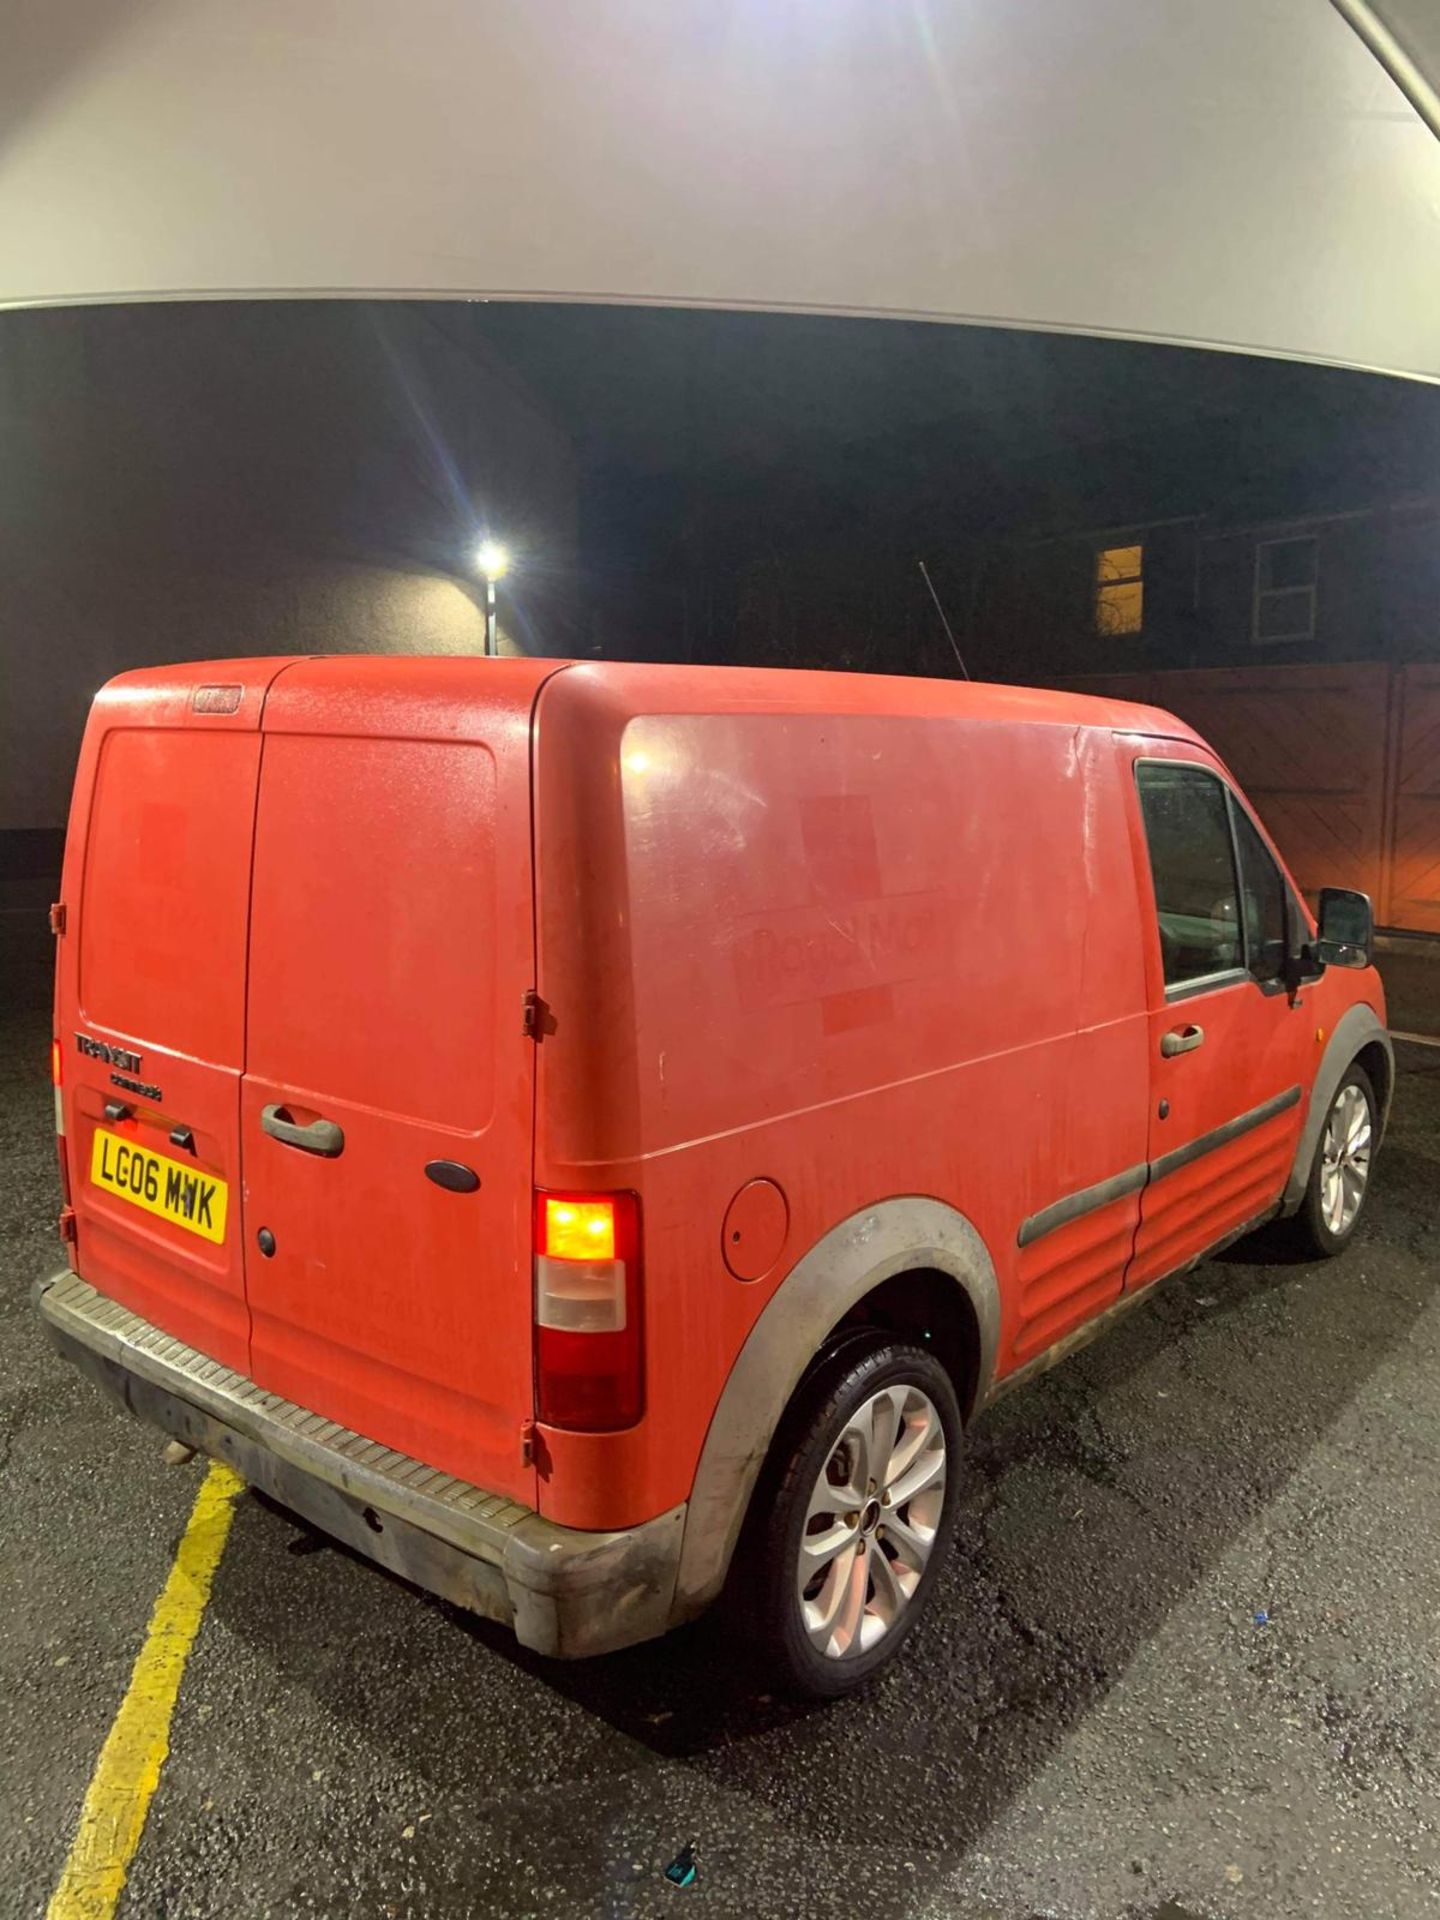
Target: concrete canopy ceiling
column 1404, row 36
column 1252, row 174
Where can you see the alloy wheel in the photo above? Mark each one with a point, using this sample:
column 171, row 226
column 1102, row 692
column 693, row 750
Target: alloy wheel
column 1345, row 1159
column 871, row 1522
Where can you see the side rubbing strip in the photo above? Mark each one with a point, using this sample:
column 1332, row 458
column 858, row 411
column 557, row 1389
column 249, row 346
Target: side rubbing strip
column 1222, row 1135
column 1075, row 1205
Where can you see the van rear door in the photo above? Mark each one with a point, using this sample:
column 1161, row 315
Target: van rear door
column 150, row 994
column 387, row 1103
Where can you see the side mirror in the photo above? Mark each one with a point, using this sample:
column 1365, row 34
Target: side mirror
column 1302, row 962
column 1346, row 927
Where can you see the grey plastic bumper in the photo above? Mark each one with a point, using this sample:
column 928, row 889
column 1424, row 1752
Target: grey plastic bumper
column 564, row 1592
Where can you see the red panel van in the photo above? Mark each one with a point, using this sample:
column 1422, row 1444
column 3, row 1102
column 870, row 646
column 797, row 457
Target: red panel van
column 582, row 1133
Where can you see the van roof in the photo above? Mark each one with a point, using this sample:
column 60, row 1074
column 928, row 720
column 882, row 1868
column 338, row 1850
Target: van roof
column 643, row 685
column 792, row 689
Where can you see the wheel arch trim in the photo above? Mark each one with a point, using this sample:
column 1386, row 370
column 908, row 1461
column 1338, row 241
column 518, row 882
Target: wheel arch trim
column 871, row 1246
column 1357, row 1028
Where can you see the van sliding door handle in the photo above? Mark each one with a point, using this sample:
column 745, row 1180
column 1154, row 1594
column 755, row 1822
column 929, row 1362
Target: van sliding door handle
column 1181, row 1040
column 320, row 1136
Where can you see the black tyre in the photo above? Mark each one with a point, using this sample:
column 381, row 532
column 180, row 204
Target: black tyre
column 853, row 1516
column 1339, row 1183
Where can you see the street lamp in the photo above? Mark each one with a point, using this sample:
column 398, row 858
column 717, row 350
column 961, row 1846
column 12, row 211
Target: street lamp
column 493, row 562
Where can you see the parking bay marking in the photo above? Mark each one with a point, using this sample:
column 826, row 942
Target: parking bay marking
column 127, row 1773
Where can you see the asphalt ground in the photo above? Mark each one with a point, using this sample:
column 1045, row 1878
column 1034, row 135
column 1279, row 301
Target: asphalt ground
column 1187, row 1649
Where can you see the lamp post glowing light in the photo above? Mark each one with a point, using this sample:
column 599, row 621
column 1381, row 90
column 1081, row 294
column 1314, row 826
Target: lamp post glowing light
column 492, row 561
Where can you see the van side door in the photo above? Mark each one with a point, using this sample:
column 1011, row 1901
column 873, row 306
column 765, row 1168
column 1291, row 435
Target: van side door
column 1230, row 1045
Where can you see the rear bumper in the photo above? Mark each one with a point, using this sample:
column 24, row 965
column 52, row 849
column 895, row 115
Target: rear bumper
column 564, row 1592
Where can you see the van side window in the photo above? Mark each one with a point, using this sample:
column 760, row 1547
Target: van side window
column 1187, row 827
column 1262, row 898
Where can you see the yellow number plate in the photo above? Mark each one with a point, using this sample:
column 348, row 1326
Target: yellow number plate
column 193, row 1200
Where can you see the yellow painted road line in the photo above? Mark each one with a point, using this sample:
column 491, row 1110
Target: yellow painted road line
column 128, row 1770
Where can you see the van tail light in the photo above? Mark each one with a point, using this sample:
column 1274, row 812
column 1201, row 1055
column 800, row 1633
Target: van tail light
column 587, row 1311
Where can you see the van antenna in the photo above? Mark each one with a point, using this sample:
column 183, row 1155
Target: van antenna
column 925, row 571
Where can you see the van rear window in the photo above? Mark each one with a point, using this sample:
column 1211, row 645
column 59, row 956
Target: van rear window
column 166, row 889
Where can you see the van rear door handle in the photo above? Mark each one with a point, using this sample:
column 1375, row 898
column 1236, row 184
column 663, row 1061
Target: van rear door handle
column 320, row 1136
column 1181, row 1040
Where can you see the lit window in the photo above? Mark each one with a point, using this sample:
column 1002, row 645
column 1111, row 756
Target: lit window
column 1285, row 576
column 1119, row 590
